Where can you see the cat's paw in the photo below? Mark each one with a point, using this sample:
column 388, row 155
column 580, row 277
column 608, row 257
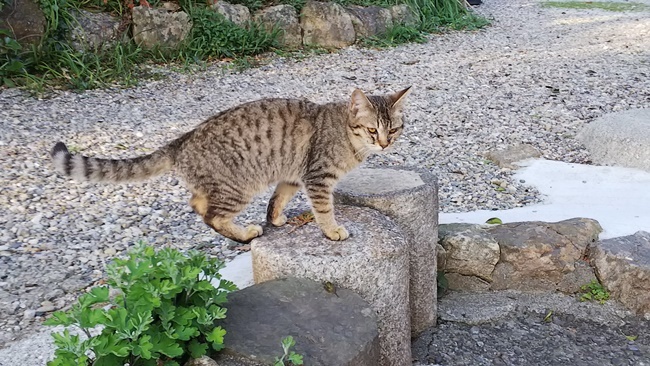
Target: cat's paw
column 254, row 231
column 339, row 233
column 279, row 221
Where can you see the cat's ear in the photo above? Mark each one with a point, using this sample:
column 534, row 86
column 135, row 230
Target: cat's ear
column 359, row 103
column 397, row 99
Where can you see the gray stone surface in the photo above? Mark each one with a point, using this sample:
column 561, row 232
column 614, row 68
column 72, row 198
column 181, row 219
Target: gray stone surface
column 471, row 251
column 410, row 198
column 371, row 262
column 286, row 18
column 24, row 19
column 538, row 255
column 157, row 27
column 236, row 13
column 623, row 266
column 330, row 329
column 327, row 25
column 621, row 138
column 507, row 157
column 94, row 30
column 369, row 20
column 510, row 328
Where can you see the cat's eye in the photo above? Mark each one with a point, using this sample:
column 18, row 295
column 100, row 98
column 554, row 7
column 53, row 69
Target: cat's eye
column 372, row 130
column 393, row 130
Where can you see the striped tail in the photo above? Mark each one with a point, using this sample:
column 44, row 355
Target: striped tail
column 82, row 168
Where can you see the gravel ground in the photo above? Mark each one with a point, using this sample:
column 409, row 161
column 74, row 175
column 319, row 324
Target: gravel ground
column 536, row 76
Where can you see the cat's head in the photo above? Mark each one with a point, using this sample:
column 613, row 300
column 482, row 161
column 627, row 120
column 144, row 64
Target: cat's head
column 375, row 121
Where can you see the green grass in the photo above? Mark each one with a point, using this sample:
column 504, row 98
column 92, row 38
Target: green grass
column 609, row 6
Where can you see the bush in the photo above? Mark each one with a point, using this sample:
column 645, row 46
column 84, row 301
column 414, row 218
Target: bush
column 164, row 312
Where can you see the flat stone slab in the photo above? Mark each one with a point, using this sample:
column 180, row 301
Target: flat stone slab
column 409, row 196
column 621, row 138
column 372, row 262
column 623, row 266
column 330, row 329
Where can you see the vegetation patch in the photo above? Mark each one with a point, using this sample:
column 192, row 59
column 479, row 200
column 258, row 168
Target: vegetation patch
column 163, row 313
column 594, row 291
column 609, row 6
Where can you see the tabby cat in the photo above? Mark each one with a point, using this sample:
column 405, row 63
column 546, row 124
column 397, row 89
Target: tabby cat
column 234, row 155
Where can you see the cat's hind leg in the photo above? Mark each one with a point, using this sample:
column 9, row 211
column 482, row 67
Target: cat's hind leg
column 219, row 210
column 281, row 196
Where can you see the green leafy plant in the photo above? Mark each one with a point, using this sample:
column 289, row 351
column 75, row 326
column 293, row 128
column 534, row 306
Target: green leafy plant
column 494, row 221
column 289, row 357
column 594, row 291
column 164, row 312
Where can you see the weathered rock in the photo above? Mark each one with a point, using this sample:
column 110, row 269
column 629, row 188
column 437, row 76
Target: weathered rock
column 621, row 138
column 94, row 30
column 156, row 27
column 236, row 13
column 203, row 361
column 410, row 198
column 538, row 255
column 623, row 266
column 330, row 329
column 459, row 282
column 284, row 17
column 581, row 275
column 24, row 19
column 507, row 157
column 403, row 14
column 326, row 24
column 370, row 20
column 471, row 251
column 441, row 258
column 371, row 262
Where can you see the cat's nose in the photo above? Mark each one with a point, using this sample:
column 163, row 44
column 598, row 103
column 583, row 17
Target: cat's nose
column 383, row 144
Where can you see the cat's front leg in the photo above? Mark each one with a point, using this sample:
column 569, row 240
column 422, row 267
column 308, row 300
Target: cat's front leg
column 322, row 203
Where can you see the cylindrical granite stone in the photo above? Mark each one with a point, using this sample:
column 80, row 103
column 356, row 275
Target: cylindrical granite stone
column 409, row 196
column 372, row 262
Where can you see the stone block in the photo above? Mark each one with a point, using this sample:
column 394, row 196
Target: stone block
column 326, row 24
column 403, row 14
column 330, row 329
column 623, row 266
column 410, row 198
column 538, row 255
column 92, row 31
column 471, row 251
column 236, row 13
column 371, row 262
column 369, row 20
column 157, row 27
column 284, row 17
column 24, row 19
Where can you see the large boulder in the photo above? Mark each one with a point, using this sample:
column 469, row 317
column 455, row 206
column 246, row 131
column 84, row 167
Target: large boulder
column 236, row 13
column 621, row 138
column 24, row 19
column 94, row 30
column 157, row 27
column 330, row 329
column 370, row 21
column 538, row 255
column 284, row 17
column 373, row 263
column 623, row 266
column 326, row 24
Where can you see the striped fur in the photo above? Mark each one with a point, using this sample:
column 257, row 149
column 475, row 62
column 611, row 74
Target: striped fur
column 234, row 155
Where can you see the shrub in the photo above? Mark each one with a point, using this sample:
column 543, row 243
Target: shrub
column 164, row 312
